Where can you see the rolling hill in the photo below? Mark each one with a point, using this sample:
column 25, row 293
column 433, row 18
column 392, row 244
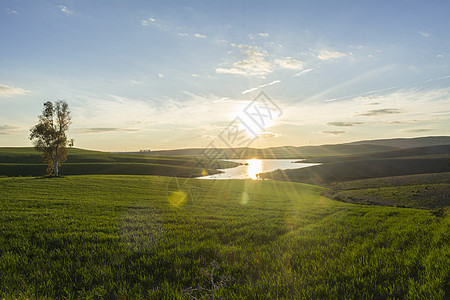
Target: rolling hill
column 338, row 150
column 27, row 162
column 407, row 142
column 279, row 152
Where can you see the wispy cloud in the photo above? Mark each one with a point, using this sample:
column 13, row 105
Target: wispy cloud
column 106, row 130
column 333, row 132
column 148, row 21
column 9, row 91
column 263, row 34
column 302, row 72
column 254, row 63
column 7, row 129
column 424, row 34
column 416, row 130
column 10, row 11
column 260, row 87
column 257, row 62
column 344, row 124
column 329, row 54
column 402, row 122
column 199, row 36
column 65, row 10
column 234, row 71
column 289, row 63
column 195, row 110
column 381, row 112
column 268, row 134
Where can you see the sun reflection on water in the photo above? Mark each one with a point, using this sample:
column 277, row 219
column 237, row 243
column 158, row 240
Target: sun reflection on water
column 254, row 167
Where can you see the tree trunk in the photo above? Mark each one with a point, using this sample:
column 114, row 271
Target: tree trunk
column 55, row 163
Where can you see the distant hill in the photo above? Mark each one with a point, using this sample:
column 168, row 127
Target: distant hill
column 407, row 142
column 360, row 169
column 279, row 152
column 419, row 152
column 398, row 162
column 337, row 150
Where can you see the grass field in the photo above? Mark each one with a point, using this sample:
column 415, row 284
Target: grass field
column 335, row 172
column 28, row 162
column 122, row 236
column 424, row 191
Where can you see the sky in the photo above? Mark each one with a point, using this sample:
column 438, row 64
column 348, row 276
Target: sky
column 175, row 74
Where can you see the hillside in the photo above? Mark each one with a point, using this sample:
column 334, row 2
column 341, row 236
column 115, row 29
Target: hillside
column 407, row 142
column 441, row 151
column 27, row 162
column 332, row 172
column 424, row 191
column 312, row 152
column 279, row 152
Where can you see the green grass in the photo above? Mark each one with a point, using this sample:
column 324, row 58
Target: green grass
column 116, row 236
column 28, row 162
column 420, row 179
column 424, row 191
column 335, row 172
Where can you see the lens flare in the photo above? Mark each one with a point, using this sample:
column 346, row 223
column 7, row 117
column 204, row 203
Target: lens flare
column 244, row 198
column 177, row 198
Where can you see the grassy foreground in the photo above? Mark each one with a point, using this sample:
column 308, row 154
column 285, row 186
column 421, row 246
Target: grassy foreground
column 115, row 236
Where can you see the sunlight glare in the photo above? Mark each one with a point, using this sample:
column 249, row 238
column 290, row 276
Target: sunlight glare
column 254, row 167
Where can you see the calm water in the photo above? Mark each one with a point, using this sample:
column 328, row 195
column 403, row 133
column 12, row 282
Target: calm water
column 255, row 166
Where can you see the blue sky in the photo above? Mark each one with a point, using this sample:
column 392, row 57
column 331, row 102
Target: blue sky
column 174, row 74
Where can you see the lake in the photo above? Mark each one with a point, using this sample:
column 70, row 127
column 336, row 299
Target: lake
column 251, row 167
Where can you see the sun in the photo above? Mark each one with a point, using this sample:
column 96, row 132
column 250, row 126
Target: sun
column 254, row 168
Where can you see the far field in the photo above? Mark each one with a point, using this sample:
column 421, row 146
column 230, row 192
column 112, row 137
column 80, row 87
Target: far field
column 26, row 161
column 425, row 191
column 149, row 237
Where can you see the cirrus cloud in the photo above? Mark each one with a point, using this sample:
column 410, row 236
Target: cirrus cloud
column 380, row 112
column 329, row 54
column 9, row 91
column 416, row 130
column 268, row 134
column 7, row 129
column 344, row 124
column 106, row 129
column 289, row 63
column 254, row 62
column 65, row 10
column 333, row 132
column 199, row 36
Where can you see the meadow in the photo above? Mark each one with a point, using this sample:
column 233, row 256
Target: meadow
column 424, row 191
column 25, row 161
column 117, row 237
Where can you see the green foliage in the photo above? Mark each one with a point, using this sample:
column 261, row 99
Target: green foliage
column 49, row 135
column 120, row 237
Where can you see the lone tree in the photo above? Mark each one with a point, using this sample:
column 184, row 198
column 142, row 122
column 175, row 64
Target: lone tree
column 49, row 135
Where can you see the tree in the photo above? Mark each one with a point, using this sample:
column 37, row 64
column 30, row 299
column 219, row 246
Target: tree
column 49, row 135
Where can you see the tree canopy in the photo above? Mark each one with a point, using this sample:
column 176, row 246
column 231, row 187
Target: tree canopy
column 49, row 135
